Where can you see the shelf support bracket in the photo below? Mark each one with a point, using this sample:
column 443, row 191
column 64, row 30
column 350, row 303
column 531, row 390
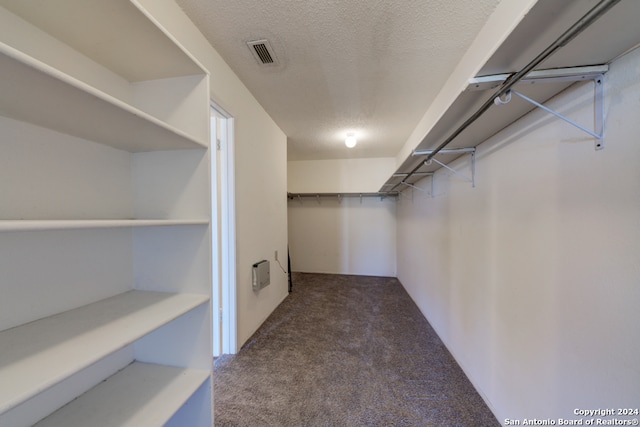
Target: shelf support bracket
column 433, row 177
column 472, row 180
column 473, row 169
column 599, row 110
column 415, row 188
column 598, row 134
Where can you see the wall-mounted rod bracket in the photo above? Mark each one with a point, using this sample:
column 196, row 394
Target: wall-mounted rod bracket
column 414, row 187
column 472, row 180
column 580, row 25
column 471, row 151
column 598, row 134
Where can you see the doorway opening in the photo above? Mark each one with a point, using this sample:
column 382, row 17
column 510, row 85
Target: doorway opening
column 223, row 233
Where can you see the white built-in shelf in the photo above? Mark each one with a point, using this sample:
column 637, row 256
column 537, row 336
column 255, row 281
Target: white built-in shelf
column 40, row 354
column 42, row 225
column 142, row 394
column 118, row 34
column 37, row 93
column 610, row 36
column 89, row 72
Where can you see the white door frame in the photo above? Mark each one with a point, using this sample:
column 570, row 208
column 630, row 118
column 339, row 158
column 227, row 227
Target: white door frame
column 223, row 219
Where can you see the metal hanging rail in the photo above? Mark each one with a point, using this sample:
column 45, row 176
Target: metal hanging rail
column 423, row 174
column 451, row 151
column 589, row 18
column 317, row 196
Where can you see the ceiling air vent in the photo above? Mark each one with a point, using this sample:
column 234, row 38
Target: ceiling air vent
column 262, row 51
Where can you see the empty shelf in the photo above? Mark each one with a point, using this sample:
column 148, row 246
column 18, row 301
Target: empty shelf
column 116, row 47
column 35, row 225
column 140, row 395
column 37, row 355
column 37, row 93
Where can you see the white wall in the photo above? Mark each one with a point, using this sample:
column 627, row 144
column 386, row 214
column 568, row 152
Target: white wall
column 343, row 237
column 261, row 183
column 339, row 175
column 348, row 236
column 531, row 279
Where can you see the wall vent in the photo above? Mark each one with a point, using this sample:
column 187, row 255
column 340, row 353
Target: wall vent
column 262, row 51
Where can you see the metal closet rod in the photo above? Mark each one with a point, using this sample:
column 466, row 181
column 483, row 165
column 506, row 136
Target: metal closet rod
column 589, row 18
column 316, row 195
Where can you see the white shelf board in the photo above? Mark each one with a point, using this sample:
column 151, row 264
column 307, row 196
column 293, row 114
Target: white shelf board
column 37, row 93
column 37, row 355
column 41, row 225
column 142, row 394
column 115, row 34
column 610, row 36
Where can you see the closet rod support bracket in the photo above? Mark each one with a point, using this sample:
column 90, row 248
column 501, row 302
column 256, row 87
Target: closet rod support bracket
column 414, row 187
column 599, row 110
column 598, row 132
column 472, row 180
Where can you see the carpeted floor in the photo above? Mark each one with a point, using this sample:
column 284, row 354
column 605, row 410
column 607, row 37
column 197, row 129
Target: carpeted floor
column 345, row 351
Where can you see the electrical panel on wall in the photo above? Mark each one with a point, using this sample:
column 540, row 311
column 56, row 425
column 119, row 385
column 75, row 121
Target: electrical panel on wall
column 261, row 275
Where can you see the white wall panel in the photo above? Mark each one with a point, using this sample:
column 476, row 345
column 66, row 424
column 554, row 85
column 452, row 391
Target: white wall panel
column 347, row 236
column 531, row 278
column 339, row 175
column 47, row 272
column 69, row 178
column 343, row 237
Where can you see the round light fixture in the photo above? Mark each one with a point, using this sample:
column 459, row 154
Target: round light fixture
column 350, row 141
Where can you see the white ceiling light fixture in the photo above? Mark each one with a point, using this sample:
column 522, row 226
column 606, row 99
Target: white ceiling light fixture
column 350, row 141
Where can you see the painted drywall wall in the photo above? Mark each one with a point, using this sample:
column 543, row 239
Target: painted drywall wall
column 531, row 278
column 260, row 171
column 68, row 178
column 339, row 175
column 342, row 236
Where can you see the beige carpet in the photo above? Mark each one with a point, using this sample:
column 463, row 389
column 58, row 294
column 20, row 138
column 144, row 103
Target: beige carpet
column 345, row 351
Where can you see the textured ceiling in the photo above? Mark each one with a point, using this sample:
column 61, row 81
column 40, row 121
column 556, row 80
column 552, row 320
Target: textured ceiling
column 371, row 67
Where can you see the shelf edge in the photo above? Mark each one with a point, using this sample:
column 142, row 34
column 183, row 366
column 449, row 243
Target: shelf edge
column 43, row 225
column 174, row 387
column 47, row 326
column 71, row 81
